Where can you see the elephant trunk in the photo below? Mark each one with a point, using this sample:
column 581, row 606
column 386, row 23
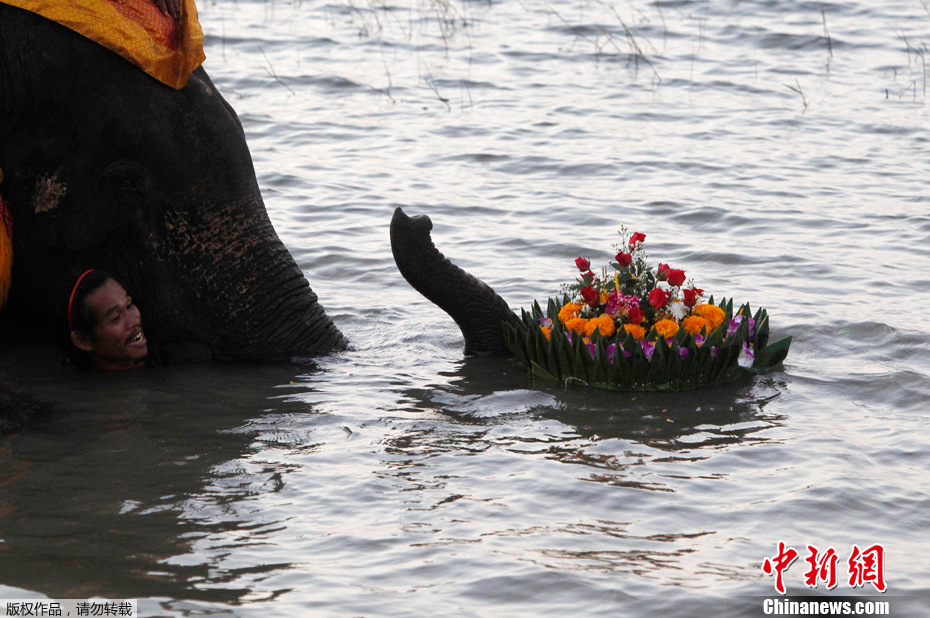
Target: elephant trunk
column 476, row 308
column 276, row 315
column 241, row 282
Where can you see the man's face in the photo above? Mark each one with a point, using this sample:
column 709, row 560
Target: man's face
column 119, row 342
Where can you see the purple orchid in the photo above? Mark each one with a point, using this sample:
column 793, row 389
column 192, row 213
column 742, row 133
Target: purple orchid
column 611, row 352
column 735, row 324
column 648, row 349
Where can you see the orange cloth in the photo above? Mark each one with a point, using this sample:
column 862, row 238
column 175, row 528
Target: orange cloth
column 6, row 251
column 166, row 49
column 6, row 247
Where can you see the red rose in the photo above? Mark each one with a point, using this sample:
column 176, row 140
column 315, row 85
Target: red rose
column 590, row 295
column 635, row 315
column 663, row 271
column 623, row 259
column 676, row 277
column 691, row 296
column 637, row 237
column 582, row 264
column 658, row 298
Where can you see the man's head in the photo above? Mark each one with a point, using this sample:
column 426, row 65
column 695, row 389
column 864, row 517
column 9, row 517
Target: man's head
column 104, row 323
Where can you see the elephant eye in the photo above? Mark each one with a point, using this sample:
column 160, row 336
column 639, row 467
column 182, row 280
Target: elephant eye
column 123, row 178
column 127, row 181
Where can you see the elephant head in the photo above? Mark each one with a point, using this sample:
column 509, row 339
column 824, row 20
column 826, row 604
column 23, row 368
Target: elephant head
column 105, row 167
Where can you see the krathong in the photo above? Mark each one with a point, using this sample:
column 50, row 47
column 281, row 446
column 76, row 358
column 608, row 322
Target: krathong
column 636, row 327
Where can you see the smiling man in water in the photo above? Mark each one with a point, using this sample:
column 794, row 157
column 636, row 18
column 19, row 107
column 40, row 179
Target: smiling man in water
column 105, row 327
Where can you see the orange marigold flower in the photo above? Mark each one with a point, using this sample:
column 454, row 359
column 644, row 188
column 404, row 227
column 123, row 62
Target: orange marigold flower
column 712, row 313
column 694, row 323
column 636, row 330
column 568, row 311
column 666, row 328
column 546, row 330
column 603, row 298
column 577, row 325
column 603, row 324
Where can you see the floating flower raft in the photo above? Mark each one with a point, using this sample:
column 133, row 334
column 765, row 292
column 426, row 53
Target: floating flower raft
column 639, row 328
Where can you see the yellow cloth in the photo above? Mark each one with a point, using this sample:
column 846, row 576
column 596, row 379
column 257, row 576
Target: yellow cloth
column 166, row 49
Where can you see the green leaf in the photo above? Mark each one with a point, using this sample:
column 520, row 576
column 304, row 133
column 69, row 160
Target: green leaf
column 772, row 354
column 578, row 365
column 688, row 376
column 516, row 342
column 553, row 311
column 658, row 365
column 564, row 352
column 598, row 368
column 537, row 312
column 552, row 356
column 542, row 373
column 620, row 369
column 718, row 366
column 529, row 345
column 704, row 369
column 762, row 332
column 540, row 344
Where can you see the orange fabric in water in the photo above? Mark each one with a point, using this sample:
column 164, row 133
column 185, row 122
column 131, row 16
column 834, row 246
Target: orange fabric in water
column 6, row 251
column 6, row 247
column 166, row 49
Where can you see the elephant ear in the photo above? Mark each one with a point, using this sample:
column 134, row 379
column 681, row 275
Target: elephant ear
column 6, row 248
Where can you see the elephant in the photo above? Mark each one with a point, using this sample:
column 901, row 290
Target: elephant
column 105, row 167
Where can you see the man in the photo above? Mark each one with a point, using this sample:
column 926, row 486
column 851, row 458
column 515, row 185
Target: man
column 105, row 327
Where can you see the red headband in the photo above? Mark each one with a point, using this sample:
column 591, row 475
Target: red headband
column 73, row 292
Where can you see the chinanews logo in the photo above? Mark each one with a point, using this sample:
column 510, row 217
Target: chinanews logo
column 865, row 566
column 834, row 607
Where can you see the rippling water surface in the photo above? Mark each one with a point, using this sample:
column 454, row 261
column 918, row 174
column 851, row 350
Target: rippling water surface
column 778, row 151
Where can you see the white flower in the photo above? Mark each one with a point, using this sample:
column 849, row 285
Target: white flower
column 678, row 310
column 746, row 357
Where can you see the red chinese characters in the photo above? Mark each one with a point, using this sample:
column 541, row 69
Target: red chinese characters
column 779, row 565
column 864, row 566
column 823, row 569
column 867, row 566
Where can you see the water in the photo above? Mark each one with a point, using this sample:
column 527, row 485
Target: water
column 777, row 151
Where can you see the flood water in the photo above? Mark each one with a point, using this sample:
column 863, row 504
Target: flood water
column 776, row 151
